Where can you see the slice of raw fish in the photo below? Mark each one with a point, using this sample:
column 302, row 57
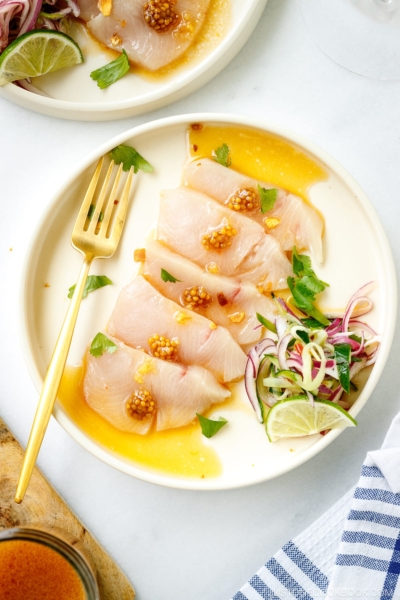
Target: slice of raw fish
column 113, row 380
column 230, row 297
column 188, row 217
column 299, row 225
column 141, row 312
column 272, row 273
column 126, row 28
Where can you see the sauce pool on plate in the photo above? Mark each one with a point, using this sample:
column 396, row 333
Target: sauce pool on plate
column 32, row 571
column 179, row 451
column 259, row 155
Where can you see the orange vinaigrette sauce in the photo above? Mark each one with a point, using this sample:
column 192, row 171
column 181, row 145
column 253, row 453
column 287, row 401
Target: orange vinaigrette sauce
column 182, row 452
column 262, row 156
column 31, row 571
column 179, row 451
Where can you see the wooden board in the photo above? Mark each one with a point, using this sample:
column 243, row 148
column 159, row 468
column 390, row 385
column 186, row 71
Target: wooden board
column 43, row 507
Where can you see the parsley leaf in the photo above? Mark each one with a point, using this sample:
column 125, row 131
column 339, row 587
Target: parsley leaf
column 266, row 322
column 110, row 73
column 342, row 358
column 129, row 157
column 267, row 198
column 306, row 286
column 221, row 155
column 101, row 344
column 208, row 427
column 93, row 282
column 165, row 276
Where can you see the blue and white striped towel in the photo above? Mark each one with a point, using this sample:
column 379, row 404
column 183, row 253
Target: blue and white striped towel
column 353, row 550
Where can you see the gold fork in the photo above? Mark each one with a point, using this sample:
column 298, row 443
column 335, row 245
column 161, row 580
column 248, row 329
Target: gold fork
column 98, row 239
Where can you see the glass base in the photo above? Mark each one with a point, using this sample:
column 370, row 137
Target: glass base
column 361, row 35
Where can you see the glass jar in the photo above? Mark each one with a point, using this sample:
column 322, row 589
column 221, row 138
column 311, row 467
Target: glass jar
column 73, row 557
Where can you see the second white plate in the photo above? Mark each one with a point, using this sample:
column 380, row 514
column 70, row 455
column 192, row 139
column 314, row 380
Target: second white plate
column 72, row 94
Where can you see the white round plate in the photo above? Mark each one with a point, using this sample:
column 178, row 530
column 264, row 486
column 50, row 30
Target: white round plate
column 72, row 94
column 355, row 249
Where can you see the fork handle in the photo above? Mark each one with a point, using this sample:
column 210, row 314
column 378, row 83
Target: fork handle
column 51, row 384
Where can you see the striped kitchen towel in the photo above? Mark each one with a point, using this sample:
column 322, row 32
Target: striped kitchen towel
column 353, row 550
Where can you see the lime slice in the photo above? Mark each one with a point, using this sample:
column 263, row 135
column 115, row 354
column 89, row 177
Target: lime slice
column 36, row 53
column 297, row 417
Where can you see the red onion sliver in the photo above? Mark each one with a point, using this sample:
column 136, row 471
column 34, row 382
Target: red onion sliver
column 265, row 344
column 249, row 383
column 282, row 347
column 351, row 308
column 336, row 395
column 30, row 21
column 334, row 327
column 362, row 326
column 287, row 309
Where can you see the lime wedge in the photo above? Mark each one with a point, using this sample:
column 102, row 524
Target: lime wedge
column 297, row 417
column 36, row 53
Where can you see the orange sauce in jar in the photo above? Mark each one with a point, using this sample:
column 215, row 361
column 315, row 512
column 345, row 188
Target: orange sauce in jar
column 32, row 571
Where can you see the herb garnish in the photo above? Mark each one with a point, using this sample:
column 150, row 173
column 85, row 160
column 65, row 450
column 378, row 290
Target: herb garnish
column 101, row 344
column 165, row 276
column 110, row 73
column 129, row 157
column 311, row 323
column 267, row 198
column 208, row 427
column 93, row 282
column 342, row 358
column 266, row 322
column 222, row 156
column 303, row 335
column 305, row 286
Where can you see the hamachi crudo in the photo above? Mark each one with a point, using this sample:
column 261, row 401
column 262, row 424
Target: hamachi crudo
column 227, row 301
column 150, row 41
column 293, row 221
column 132, row 390
column 199, row 228
column 144, row 319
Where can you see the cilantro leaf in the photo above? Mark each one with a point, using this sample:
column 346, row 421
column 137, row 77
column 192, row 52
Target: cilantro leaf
column 222, row 156
column 101, row 344
column 311, row 323
column 129, row 157
column 355, row 338
column 267, row 198
column 266, row 322
column 342, row 358
column 91, row 210
column 208, row 427
column 301, row 263
column 302, row 266
column 303, row 335
column 93, row 282
column 111, row 72
column 305, row 287
column 165, row 276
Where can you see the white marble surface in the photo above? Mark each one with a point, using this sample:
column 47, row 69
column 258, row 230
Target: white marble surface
column 173, row 544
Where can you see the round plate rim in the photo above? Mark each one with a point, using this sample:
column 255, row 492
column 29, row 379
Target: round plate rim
column 192, row 80
column 390, row 307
